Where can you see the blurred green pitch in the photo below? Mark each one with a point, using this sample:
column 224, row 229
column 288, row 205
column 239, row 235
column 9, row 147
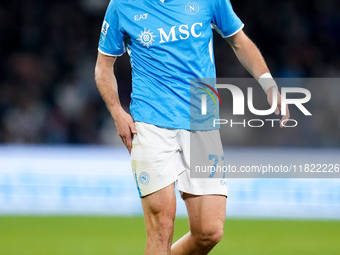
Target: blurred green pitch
column 126, row 236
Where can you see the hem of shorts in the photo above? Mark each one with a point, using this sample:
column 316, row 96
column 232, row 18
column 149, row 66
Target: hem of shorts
column 185, row 189
column 159, row 187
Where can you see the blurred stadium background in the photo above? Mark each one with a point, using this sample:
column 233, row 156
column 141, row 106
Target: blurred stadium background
column 65, row 182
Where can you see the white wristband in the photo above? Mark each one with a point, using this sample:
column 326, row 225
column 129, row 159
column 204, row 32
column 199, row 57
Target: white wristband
column 266, row 81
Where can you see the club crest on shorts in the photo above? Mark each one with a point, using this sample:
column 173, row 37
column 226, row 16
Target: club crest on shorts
column 144, row 178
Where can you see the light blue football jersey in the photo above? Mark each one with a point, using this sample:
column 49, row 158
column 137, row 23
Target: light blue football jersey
column 169, row 42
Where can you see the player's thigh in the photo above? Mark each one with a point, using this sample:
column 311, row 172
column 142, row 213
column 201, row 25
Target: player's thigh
column 206, row 213
column 160, row 208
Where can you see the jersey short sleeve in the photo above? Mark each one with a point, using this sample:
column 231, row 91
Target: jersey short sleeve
column 224, row 19
column 111, row 38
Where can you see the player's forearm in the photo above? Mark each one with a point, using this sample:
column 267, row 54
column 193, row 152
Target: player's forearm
column 248, row 54
column 107, row 86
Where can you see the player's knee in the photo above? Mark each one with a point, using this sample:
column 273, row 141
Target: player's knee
column 162, row 229
column 166, row 225
column 207, row 239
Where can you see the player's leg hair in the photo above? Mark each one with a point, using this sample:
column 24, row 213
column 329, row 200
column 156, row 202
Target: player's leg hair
column 206, row 220
column 159, row 214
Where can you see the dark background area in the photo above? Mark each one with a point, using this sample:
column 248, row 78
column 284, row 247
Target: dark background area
column 48, row 51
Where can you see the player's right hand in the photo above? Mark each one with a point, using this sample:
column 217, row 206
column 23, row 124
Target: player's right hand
column 126, row 127
column 285, row 117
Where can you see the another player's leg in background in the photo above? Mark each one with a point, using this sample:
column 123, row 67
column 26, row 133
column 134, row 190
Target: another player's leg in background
column 206, row 219
column 159, row 213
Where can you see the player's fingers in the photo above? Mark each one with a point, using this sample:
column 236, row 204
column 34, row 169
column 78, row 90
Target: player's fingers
column 133, row 130
column 133, row 127
column 127, row 140
column 278, row 108
column 270, row 99
column 284, row 119
column 129, row 145
column 287, row 115
column 123, row 139
column 282, row 122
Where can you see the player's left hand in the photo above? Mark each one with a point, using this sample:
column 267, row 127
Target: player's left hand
column 270, row 92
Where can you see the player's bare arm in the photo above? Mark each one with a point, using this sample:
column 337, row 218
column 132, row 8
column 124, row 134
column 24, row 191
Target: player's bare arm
column 252, row 60
column 107, row 86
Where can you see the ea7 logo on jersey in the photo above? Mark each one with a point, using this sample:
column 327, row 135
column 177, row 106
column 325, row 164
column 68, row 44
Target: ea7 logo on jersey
column 140, row 17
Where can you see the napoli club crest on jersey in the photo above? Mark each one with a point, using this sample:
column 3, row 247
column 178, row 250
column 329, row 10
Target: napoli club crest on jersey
column 192, row 8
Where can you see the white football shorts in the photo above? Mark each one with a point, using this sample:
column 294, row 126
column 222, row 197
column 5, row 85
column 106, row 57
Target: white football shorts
column 161, row 156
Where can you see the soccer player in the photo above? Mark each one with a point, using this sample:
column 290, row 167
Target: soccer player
column 170, row 42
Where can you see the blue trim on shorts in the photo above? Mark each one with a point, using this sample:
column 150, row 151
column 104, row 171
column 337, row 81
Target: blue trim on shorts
column 140, row 194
